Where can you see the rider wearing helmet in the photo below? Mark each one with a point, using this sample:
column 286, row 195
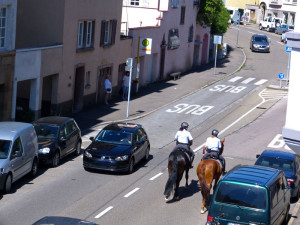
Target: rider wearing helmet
column 184, row 140
column 213, row 147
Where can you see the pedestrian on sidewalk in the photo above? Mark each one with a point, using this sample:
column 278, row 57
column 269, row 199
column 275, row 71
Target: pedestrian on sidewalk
column 125, row 85
column 108, row 89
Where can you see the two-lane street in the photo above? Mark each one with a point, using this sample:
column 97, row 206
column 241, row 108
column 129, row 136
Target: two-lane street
column 242, row 107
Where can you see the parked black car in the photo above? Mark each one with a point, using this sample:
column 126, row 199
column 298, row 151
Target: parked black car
column 57, row 138
column 288, row 162
column 117, row 147
column 259, row 43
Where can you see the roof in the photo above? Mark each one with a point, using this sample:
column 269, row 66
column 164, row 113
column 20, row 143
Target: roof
column 54, row 120
column 256, row 175
column 279, row 154
column 122, row 126
column 9, row 129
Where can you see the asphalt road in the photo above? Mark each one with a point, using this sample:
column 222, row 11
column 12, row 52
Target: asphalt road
column 248, row 115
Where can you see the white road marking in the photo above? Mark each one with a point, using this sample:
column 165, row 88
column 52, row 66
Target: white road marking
column 103, row 212
column 157, row 175
column 260, row 82
column 248, row 80
column 235, row 79
column 130, row 193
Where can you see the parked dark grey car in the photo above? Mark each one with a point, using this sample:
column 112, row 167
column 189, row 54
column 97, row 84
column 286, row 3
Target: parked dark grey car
column 259, row 43
column 57, row 138
column 284, row 28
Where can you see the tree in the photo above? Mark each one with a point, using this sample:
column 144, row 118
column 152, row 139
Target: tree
column 214, row 14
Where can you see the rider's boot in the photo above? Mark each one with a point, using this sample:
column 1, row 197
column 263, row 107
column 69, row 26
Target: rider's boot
column 223, row 169
column 191, row 162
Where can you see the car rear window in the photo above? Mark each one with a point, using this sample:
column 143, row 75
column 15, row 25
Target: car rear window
column 276, row 162
column 242, row 195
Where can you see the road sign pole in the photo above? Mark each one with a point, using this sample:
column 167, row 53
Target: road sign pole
column 216, row 58
column 288, row 70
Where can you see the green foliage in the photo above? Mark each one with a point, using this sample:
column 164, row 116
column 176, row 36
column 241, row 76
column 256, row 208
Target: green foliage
column 214, row 14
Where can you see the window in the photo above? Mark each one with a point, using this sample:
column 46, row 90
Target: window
column 2, row 26
column 17, row 148
column 191, row 34
column 85, row 36
column 134, row 2
column 173, row 40
column 108, row 32
column 175, row 3
column 88, row 79
column 182, row 16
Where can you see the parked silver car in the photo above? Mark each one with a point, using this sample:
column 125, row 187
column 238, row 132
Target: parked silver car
column 284, row 28
column 18, row 152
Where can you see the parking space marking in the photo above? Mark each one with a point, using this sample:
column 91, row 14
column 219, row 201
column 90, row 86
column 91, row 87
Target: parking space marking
column 103, row 212
column 157, row 175
column 248, row 80
column 130, row 193
column 235, row 79
column 260, row 82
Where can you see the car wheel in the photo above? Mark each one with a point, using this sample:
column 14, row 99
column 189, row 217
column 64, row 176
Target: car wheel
column 260, row 26
column 146, row 158
column 130, row 166
column 34, row 168
column 78, row 148
column 8, row 182
column 55, row 159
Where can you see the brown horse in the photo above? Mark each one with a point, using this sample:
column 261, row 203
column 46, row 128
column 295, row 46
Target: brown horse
column 178, row 163
column 207, row 171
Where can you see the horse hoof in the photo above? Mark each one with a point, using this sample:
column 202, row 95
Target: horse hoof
column 167, row 198
column 176, row 198
column 202, row 211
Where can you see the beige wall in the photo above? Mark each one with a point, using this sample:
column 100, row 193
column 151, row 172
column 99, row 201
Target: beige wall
column 241, row 3
column 39, row 23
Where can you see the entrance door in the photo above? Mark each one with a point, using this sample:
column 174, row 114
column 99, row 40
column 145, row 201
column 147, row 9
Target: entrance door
column 102, row 74
column 78, row 89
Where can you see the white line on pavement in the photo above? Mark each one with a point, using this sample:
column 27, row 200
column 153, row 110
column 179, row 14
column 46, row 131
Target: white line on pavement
column 157, row 175
column 103, row 212
column 130, row 193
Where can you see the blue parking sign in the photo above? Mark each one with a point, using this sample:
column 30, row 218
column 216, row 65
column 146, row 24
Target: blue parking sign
column 288, row 49
column 281, row 76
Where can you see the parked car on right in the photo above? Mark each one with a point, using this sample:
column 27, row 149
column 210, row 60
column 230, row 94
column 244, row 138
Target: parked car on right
column 283, row 28
column 250, row 194
column 288, row 162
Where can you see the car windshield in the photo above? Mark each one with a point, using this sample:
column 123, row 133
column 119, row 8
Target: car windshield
column 291, row 27
column 46, row 131
column 242, row 195
column 260, row 39
column 276, row 162
column 117, row 137
column 4, row 148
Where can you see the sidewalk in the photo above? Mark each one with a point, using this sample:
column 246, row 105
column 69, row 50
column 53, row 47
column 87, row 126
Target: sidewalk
column 157, row 95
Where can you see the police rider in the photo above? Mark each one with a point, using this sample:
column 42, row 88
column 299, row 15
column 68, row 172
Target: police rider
column 213, row 147
column 184, row 140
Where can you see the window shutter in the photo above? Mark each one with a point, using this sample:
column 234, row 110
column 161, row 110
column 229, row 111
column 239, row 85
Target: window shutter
column 113, row 32
column 102, row 35
column 93, row 33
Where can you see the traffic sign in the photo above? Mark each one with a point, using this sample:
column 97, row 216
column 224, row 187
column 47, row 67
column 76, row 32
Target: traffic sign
column 281, row 76
column 145, row 45
column 288, row 49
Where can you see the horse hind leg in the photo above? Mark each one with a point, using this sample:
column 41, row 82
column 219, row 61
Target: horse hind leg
column 187, row 178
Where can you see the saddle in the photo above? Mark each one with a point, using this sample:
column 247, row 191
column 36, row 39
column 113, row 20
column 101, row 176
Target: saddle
column 214, row 157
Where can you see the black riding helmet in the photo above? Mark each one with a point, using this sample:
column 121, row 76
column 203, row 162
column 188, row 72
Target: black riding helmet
column 184, row 125
column 215, row 132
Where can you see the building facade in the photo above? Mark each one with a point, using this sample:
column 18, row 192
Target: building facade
column 69, row 48
column 178, row 42
column 8, row 15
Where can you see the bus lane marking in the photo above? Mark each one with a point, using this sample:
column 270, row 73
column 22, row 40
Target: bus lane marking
column 132, row 192
column 104, row 212
column 156, row 176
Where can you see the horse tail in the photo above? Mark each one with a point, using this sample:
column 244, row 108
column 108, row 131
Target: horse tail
column 172, row 176
column 204, row 187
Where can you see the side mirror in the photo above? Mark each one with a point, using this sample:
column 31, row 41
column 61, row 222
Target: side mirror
column 63, row 139
column 257, row 156
column 17, row 154
column 92, row 138
column 292, row 185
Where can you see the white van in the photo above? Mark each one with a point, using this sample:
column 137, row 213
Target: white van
column 18, row 152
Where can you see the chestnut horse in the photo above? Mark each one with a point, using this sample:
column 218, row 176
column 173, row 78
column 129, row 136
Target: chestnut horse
column 207, row 171
column 178, row 163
